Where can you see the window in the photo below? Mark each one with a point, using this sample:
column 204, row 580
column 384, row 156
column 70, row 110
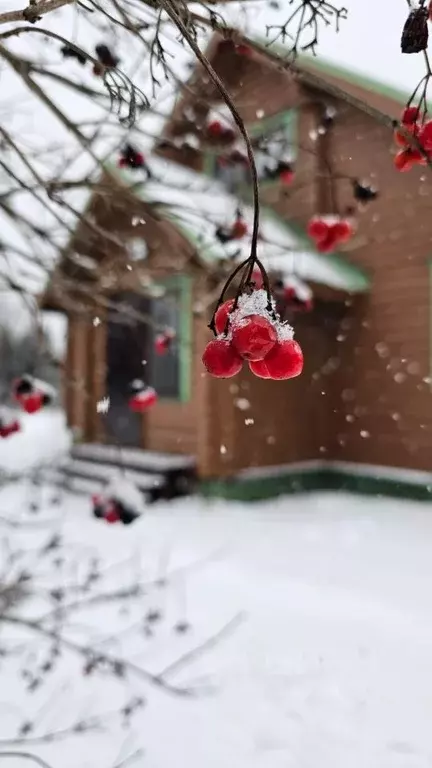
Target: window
column 274, row 141
column 170, row 373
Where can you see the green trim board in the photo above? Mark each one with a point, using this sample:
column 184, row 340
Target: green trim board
column 182, row 285
column 320, row 477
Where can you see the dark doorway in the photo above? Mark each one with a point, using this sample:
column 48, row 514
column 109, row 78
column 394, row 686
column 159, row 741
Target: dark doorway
column 127, row 348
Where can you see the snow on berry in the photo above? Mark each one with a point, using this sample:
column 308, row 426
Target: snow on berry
column 142, row 400
column 408, row 158
column 221, row 359
column 253, row 337
column 163, row 341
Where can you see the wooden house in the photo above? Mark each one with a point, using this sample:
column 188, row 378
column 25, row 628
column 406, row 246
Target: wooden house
column 360, row 414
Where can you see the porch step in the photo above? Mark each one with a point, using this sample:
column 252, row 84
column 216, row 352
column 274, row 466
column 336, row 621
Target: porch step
column 91, row 467
column 106, row 472
column 149, row 461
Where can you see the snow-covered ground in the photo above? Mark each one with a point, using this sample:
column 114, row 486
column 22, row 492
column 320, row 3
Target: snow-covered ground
column 326, row 663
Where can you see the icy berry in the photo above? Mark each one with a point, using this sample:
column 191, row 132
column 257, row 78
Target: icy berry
column 221, row 316
column 259, row 368
column 239, row 229
column 221, row 359
column 253, row 337
column 285, row 361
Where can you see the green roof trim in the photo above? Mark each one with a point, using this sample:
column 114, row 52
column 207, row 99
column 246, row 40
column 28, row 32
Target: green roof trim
column 324, row 66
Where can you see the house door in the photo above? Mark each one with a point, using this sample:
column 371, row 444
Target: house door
column 127, row 344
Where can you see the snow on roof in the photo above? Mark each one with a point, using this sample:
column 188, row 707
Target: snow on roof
column 197, row 205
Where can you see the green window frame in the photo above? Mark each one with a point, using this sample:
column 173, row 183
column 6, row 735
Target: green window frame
column 179, row 288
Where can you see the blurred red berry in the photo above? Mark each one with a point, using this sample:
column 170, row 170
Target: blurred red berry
column 253, row 337
column 221, row 359
column 142, row 401
column 239, row 229
column 243, row 50
column 317, row 228
column 33, row 402
column 6, row 430
column 342, row 231
column 410, row 115
column 286, row 176
column 425, row 136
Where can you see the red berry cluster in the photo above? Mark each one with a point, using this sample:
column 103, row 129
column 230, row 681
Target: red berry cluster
column 111, row 510
column 131, row 158
column 414, row 124
column 30, row 394
column 249, row 332
column 328, row 232
column 143, row 397
column 216, row 131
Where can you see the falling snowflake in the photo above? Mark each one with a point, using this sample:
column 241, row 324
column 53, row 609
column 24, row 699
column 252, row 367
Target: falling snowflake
column 102, row 406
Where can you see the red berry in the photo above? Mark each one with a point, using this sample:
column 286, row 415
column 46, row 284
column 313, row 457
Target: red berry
column 285, row 361
column 430, row 11
column 162, row 343
column 410, row 115
column 222, row 315
column 243, row 50
column 215, row 129
column 317, row 228
column 9, row 429
column 143, row 400
column 254, row 337
column 98, row 69
column 342, row 231
column 239, row 229
column 259, row 368
column 221, row 359
column 111, row 515
column 33, row 402
column 407, row 158
column 425, row 136
column 286, row 176
column 139, row 159
column 400, row 139
column 326, row 244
